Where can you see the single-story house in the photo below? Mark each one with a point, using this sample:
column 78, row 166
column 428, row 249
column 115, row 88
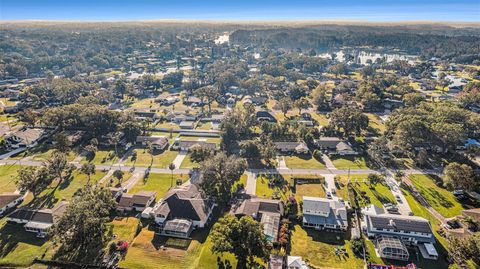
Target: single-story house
column 265, row 116
column 268, row 212
column 335, row 145
column 185, row 145
column 137, row 202
column 157, row 142
column 145, row 113
column 192, row 101
column 24, row 138
column 323, row 213
column 187, row 125
column 182, row 210
column 292, row 147
column 38, row 221
column 8, row 201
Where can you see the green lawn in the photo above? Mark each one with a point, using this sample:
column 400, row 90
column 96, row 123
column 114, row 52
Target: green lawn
column 321, row 118
column 318, row 249
column 103, row 157
column 204, row 138
column 125, row 228
column 303, row 162
column 264, row 191
column 19, row 248
column 204, row 126
column 376, row 194
column 66, row 189
column 313, row 190
column 160, row 160
column 8, row 173
column 349, row 162
column 188, row 163
column 375, row 122
column 159, row 183
column 439, row 198
column 46, row 154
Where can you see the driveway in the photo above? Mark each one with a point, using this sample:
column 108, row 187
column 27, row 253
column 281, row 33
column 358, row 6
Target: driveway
column 402, row 205
column 251, row 183
column 281, row 162
column 179, row 159
column 328, row 163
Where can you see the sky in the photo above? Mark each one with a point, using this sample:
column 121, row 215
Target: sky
column 244, row 10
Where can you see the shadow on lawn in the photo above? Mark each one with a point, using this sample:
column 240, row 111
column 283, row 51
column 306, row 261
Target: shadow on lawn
column 11, row 234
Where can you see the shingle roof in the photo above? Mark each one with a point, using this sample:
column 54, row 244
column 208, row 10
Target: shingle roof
column 7, row 198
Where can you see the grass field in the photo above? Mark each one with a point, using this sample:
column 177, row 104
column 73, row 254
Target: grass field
column 103, row 157
column 306, row 162
column 204, row 138
column 8, row 173
column 264, row 191
column 46, row 154
column 375, row 122
column 314, row 190
column 125, row 228
column 376, row 194
column 188, row 163
column 439, row 198
column 349, row 162
column 318, row 249
column 159, row 183
column 160, row 160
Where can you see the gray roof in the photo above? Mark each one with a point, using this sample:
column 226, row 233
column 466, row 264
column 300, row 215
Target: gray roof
column 328, row 142
column 254, row 206
column 155, row 140
column 7, row 198
column 400, row 223
column 324, row 211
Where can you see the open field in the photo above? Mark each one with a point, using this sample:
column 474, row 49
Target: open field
column 439, row 198
column 188, row 163
column 377, row 194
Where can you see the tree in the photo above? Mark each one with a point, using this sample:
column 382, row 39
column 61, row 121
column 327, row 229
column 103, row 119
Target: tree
column 33, row 179
column 319, row 97
column 285, row 104
column 338, row 69
column 172, row 167
column 199, row 153
column 61, row 143
column 462, row 250
column 58, row 166
column 459, row 176
column 81, row 232
column 88, row 169
column 413, row 99
column 349, row 119
column 219, row 173
column 301, row 104
column 374, row 178
column 118, row 174
column 242, row 237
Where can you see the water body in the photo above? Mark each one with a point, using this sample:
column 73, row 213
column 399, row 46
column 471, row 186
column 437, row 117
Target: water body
column 363, row 57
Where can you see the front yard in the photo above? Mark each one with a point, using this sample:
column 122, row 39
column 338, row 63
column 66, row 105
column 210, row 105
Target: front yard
column 159, row 183
column 349, row 162
column 303, row 162
column 144, row 159
column 8, row 172
column 377, row 194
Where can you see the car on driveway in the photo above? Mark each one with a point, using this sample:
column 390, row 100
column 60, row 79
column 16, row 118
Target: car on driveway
column 397, row 197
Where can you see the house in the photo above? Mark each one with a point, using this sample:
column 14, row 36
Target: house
column 145, row 113
column 335, row 145
column 178, row 118
column 187, row 125
column 182, row 210
column 8, row 201
column 135, row 202
column 185, row 145
column 24, row 138
column 38, row 221
column 116, row 192
column 296, row 262
column 157, row 142
column 267, row 212
column 409, row 230
column 323, row 213
column 192, row 101
column 257, row 100
column 265, row 116
column 292, row 147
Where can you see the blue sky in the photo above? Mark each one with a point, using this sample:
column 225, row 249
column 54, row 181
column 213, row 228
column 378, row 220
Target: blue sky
column 113, row 10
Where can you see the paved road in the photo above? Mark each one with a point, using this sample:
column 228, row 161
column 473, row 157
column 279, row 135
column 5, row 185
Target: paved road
column 328, row 162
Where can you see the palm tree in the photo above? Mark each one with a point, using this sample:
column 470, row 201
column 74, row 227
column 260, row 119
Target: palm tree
column 171, row 167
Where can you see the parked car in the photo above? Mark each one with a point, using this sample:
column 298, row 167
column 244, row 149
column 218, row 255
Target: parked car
column 329, row 195
column 397, row 197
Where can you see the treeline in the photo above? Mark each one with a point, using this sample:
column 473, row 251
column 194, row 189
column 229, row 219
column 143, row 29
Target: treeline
column 454, row 44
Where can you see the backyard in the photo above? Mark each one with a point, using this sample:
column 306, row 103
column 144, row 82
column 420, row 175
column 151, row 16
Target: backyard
column 159, row 183
column 8, row 173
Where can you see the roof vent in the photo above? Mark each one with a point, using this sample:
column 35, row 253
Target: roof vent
column 391, row 223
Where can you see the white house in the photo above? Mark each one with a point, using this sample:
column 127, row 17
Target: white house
column 323, row 213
